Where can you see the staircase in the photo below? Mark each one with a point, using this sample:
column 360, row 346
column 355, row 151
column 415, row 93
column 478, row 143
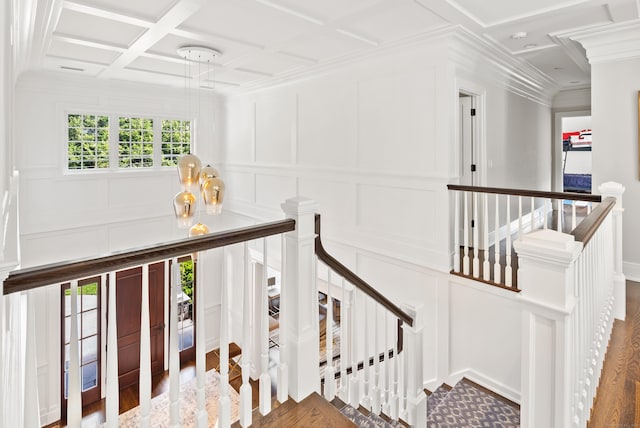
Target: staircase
column 467, row 404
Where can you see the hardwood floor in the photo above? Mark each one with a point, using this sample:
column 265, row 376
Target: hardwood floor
column 617, row 402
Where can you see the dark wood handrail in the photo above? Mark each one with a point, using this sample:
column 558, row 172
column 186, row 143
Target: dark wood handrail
column 354, row 279
column 56, row 273
column 569, row 196
column 589, row 226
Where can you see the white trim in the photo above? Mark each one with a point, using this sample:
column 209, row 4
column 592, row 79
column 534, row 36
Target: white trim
column 526, row 225
column 485, row 381
column 631, row 271
column 610, row 42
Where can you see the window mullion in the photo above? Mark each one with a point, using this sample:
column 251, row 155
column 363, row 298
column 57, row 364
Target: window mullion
column 114, row 125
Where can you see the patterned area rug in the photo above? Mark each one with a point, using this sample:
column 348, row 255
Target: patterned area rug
column 188, row 403
column 468, row 406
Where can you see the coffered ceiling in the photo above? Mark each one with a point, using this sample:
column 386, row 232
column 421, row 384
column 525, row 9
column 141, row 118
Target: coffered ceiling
column 264, row 40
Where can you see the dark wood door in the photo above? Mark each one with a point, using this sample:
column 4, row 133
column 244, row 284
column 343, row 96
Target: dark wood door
column 129, row 299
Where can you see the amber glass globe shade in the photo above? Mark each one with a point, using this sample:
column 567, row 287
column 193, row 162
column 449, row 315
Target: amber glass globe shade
column 189, row 171
column 208, row 172
column 197, row 230
column 184, row 205
column 213, row 195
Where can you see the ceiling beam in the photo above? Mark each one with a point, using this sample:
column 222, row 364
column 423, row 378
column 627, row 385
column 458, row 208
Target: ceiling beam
column 182, row 10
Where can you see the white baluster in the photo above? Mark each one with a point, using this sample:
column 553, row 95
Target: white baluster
column 386, row 379
column 545, row 211
column 394, row 400
column 112, row 396
column 375, row 396
column 496, row 243
column 224, row 403
column 329, row 374
column 560, row 213
column 174, row 355
column 476, row 226
column 366, row 399
column 354, row 384
column 145, row 351
column 201, row 377
column 486, row 265
column 573, row 215
column 245, row 389
column 265, row 378
column 508, row 275
column 344, row 344
column 456, row 232
column 283, row 368
column 533, row 215
column 31, row 400
column 74, row 401
column 465, row 252
column 519, row 217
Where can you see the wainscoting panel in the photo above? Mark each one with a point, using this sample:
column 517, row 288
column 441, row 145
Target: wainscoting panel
column 485, row 333
column 240, row 130
column 273, row 190
column 400, row 213
column 396, row 126
column 240, row 186
column 335, row 198
column 275, row 127
column 327, row 130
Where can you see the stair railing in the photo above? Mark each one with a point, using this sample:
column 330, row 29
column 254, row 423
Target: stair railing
column 379, row 361
column 572, row 289
column 29, row 281
column 487, row 220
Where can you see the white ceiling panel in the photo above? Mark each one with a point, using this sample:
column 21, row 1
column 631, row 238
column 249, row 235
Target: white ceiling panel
column 160, row 66
column 538, row 31
column 274, row 63
column 81, row 53
column 488, row 13
column 150, row 10
column 71, row 66
column 235, row 77
column 325, row 46
column 556, row 63
column 248, row 20
column 99, row 29
column 328, row 10
column 401, row 20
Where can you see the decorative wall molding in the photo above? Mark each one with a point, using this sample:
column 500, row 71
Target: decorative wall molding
column 609, row 43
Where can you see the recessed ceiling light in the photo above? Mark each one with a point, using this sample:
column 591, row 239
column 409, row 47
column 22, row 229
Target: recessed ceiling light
column 530, row 46
column 519, row 35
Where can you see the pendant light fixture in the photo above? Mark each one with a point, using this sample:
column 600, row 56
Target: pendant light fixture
column 191, row 174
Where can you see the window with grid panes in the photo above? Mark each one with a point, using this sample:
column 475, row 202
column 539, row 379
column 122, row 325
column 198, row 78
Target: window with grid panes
column 135, row 142
column 87, row 141
column 176, row 140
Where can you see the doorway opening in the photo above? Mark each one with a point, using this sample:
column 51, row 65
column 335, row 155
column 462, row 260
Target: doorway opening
column 576, row 151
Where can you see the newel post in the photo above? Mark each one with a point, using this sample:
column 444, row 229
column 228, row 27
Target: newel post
column 616, row 190
column 546, row 277
column 300, row 300
column 416, row 397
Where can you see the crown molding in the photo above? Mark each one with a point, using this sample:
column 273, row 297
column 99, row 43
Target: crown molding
column 609, row 43
column 478, row 55
column 482, row 55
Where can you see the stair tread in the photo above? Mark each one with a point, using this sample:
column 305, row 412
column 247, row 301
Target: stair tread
column 436, row 397
column 469, row 405
column 367, row 421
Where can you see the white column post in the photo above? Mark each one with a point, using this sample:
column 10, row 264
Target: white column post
column 302, row 331
column 616, row 190
column 112, row 397
column 546, row 277
column 416, row 397
column 31, row 401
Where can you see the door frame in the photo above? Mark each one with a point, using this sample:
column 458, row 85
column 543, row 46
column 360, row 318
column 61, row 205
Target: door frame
column 557, row 180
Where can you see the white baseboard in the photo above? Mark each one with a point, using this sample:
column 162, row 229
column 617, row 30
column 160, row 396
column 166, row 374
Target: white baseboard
column 482, row 380
column 631, row 271
column 49, row 416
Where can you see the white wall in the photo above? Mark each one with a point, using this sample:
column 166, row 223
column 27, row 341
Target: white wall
column 615, row 88
column 68, row 216
column 374, row 144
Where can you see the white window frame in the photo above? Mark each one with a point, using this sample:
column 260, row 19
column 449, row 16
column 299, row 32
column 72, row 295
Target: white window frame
column 114, row 127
